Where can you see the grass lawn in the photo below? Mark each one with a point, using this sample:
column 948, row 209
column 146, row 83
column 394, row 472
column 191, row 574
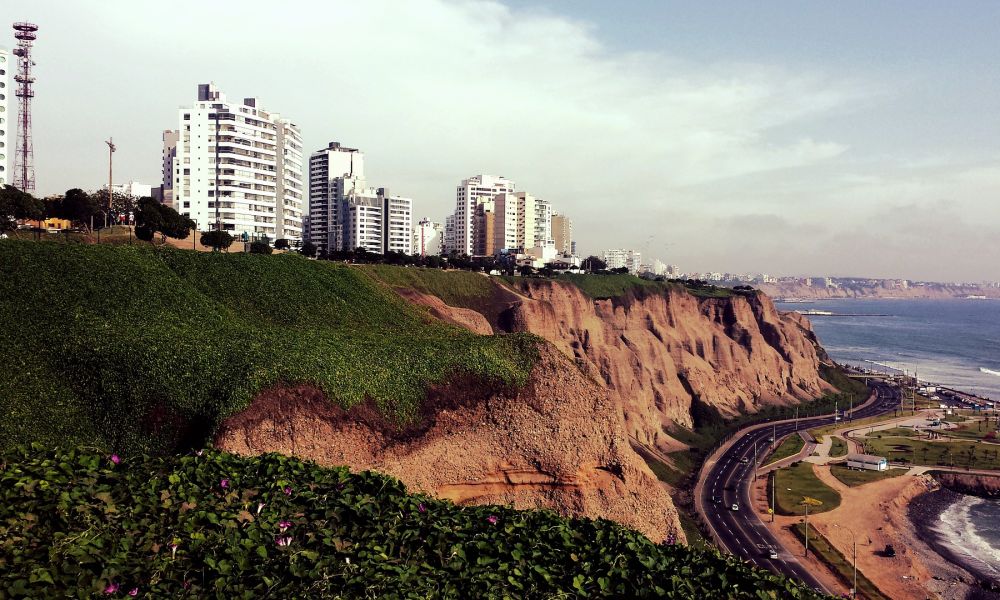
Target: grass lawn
column 454, row 287
column 933, row 453
column 855, row 477
column 792, row 483
column 838, row 447
column 972, row 431
column 900, row 431
column 790, row 446
column 842, row 565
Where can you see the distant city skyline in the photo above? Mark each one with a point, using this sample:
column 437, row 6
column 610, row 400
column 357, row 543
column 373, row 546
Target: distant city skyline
column 842, row 139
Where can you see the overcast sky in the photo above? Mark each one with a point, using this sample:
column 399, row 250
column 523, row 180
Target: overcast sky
column 836, row 138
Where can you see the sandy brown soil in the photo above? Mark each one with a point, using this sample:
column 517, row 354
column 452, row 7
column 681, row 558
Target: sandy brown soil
column 876, row 512
column 558, row 443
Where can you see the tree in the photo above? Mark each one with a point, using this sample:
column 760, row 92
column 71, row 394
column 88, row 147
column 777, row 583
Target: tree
column 152, row 217
column 217, row 240
column 281, row 244
column 77, row 206
column 15, row 205
column 122, row 205
column 593, row 263
column 308, row 249
column 260, row 247
column 525, row 270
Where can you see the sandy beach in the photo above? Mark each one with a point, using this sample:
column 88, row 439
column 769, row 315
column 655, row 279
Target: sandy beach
column 878, row 514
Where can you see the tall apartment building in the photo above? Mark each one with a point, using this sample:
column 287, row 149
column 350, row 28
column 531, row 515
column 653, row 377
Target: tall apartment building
column 618, row 258
column 397, row 222
column 363, row 222
column 469, row 194
column 508, row 215
column 543, row 224
column 562, row 234
column 449, row 235
column 428, row 238
column 335, row 172
column 5, row 123
column 257, row 159
column 170, row 139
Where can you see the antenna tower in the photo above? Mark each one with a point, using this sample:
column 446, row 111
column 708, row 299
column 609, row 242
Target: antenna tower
column 24, row 168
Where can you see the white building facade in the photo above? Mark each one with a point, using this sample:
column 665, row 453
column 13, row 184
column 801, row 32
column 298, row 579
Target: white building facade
column 428, row 238
column 397, row 219
column 335, row 172
column 6, row 124
column 469, row 194
column 618, row 258
column 257, row 159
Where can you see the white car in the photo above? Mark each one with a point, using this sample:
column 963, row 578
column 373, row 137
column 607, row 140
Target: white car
column 736, row 507
column 773, row 554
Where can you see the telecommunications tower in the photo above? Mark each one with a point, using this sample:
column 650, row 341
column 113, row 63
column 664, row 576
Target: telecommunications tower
column 24, row 169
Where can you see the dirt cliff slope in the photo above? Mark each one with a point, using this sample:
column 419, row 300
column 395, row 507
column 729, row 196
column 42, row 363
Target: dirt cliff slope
column 560, row 443
column 661, row 352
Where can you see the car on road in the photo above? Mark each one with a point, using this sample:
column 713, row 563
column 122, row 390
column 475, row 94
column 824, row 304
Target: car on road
column 772, row 554
column 745, row 460
column 736, row 507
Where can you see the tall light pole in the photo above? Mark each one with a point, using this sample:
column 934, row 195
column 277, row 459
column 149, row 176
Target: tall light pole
column 854, row 558
column 111, row 159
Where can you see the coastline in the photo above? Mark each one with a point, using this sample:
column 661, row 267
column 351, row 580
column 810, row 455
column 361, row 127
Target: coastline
column 924, row 512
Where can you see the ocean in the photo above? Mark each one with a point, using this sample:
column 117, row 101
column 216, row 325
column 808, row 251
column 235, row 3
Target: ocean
column 955, row 343
column 949, row 342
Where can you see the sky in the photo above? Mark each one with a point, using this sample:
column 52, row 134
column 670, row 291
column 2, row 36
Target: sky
column 796, row 137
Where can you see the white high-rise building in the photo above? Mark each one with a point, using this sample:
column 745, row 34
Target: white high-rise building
column 397, row 217
column 335, row 172
column 470, row 193
column 428, row 238
column 543, row 224
column 257, row 160
column 5, row 123
column 618, row 258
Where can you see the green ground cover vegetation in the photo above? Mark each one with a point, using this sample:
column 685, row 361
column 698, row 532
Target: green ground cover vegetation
column 790, row 446
column 139, row 348
column 209, row 524
column 454, row 287
column 792, row 483
column 973, row 455
column 838, row 447
column 856, row 477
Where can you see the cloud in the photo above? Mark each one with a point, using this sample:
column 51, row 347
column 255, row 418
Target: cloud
column 436, row 91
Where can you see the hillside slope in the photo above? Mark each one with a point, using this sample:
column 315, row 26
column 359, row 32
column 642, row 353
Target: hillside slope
column 660, row 350
column 135, row 349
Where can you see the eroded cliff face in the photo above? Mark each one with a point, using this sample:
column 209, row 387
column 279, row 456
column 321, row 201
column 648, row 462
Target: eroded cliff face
column 559, row 443
column 660, row 352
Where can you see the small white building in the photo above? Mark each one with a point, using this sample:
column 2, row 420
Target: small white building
column 867, row 461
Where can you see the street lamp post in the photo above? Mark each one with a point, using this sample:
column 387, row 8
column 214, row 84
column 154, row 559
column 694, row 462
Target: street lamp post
column 854, row 557
column 111, row 153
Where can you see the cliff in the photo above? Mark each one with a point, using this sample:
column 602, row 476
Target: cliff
column 986, row 486
column 939, row 291
column 558, row 443
column 660, row 352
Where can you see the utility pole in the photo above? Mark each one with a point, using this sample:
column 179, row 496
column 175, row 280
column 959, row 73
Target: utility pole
column 773, row 485
column 111, row 156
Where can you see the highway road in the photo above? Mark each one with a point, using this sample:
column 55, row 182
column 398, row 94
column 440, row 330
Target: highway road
column 728, row 482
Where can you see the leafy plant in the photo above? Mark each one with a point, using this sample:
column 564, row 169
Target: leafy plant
column 207, row 524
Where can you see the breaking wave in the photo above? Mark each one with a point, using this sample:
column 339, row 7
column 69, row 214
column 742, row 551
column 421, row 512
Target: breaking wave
column 990, row 371
column 965, row 526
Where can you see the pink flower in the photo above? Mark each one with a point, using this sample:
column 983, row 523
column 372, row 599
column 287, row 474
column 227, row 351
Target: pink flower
column 492, row 520
column 111, row 589
column 224, row 483
column 283, row 540
column 116, row 459
column 133, row 592
column 288, row 491
column 421, row 508
column 283, row 526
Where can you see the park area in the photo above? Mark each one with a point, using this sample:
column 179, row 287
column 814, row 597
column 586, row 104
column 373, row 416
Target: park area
column 792, row 484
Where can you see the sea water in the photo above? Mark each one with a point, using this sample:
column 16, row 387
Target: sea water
column 955, row 343
column 971, row 527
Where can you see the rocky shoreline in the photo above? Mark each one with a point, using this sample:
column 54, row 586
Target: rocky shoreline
column 924, row 512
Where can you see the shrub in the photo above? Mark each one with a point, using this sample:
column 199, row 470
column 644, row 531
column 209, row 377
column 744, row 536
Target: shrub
column 260, row 247
column 217, row 239
column 81, row 524
column 281, row 244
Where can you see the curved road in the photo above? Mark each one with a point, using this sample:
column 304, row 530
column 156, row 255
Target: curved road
column 727, row 482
